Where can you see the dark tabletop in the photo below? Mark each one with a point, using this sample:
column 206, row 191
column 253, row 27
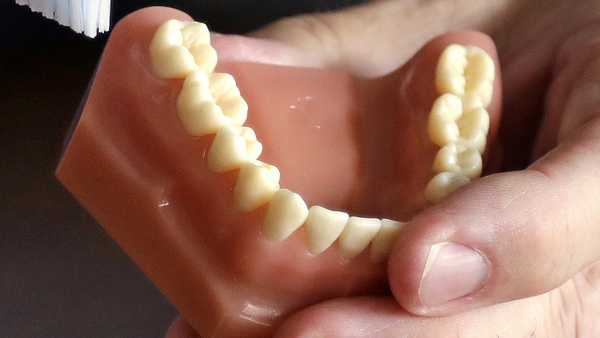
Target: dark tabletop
column 60, row 274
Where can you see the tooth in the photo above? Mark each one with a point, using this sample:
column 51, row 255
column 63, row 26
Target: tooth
column 286, row 213
column 474, row 126
column 479, row 75
column 228, row 97
column 443, row 184
column 205, row 57
column 232, row 147
column 384, row 240
column 458, row 159
column 194, row 34
column 256, row 184
column 442, row 126
column 323, row 227
column 170, row 59
column 450, row 77
column 357, row 235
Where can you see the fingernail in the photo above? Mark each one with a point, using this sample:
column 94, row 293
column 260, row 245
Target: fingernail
column 452, row 271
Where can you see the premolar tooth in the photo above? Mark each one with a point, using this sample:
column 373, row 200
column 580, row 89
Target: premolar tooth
column 458, row 159
column 450, row 71
column 232, row 147
column 384, row 240
column 205, row 57
column 443, row 184
column 256, row 184
column 442, row 126
column 286, row 213
column 323, row 227
column 170, row 59
column 357, row 235
column 228, row 97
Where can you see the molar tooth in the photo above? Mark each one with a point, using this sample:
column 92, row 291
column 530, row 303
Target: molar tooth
column 450, row 71
column 256, row 184
column 170, row 59
column 474, row 126
column 286, row 213
column 232, row 147
column 443, row 184
column 228, row 97
column 479, row 74
column 357, row 235
column 384, row 240
column 442, row 126
column 205, row 57
column 458, row 159
column 323, row 227
column 194, row 34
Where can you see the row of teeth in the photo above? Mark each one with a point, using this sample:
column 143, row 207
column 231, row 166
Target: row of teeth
column 211, row 103
column 458, row 121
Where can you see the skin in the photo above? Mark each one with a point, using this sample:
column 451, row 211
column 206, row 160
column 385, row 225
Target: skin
column 537, row 225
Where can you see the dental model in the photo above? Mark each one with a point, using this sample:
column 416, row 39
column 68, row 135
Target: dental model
column 211, row 103
column 459, row 122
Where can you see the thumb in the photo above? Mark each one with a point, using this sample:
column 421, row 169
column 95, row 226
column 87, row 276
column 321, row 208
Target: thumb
column 517, row 234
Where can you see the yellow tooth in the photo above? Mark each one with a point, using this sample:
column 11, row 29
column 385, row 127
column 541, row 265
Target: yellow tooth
column 384, row 240
column 323, row 227
column 442, row 127
column 194, row 34
column 357, row 235
column 286, row 213
column 205, row 56
column 232, row 147
column 443, row 184
column 228, row 97
column 474, row 126
column 450, row 77
column 256, row 184
column 458, row 159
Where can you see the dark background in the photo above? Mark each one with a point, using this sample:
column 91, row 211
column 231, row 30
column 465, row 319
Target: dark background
column 60, row 274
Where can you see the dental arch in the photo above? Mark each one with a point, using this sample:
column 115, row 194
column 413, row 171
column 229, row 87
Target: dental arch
column 211, row 103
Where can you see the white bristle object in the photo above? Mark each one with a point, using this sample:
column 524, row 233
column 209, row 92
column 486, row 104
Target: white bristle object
column 89, row 17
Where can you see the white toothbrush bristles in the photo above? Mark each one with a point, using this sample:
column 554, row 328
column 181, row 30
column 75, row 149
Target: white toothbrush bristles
column 89, row 17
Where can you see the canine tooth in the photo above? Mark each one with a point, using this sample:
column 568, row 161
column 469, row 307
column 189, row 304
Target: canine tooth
column 384, row 240
column 458, row 159
column 443, row 184
column 442, row 126
column 256, row 184
column 232, row 147
column 450, row 77
column 357, row 235
column 286, row 213
column 205, row 57
column 323, row 227
column 170, row 59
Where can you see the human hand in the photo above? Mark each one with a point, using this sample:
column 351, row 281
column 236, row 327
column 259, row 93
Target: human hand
column 537, row 228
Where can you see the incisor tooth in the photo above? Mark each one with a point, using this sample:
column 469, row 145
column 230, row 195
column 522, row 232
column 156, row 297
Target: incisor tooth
column 323, row 227
column 442, row 126
column 443, row 184
column 458, row 159
column 357, row 235
column 286, row 213
column 384, row 240
column 256, row 184
column 232, row 147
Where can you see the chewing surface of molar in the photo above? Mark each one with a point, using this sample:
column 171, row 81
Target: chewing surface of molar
column 357, row 235
column 286, row 213
column 442, row 125
column 205, row 105
column 381, row 246
column 467, row 72
column 457, row 158
column 323, row 227
column 256, row 184
column 232, row 147
column 178, row 48
column 442, row 184
column 474, row 126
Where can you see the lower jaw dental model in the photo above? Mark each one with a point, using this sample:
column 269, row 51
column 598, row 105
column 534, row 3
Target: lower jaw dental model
column 162, row 158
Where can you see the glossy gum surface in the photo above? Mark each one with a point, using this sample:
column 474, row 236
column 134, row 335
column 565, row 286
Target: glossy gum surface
column 340, row 142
